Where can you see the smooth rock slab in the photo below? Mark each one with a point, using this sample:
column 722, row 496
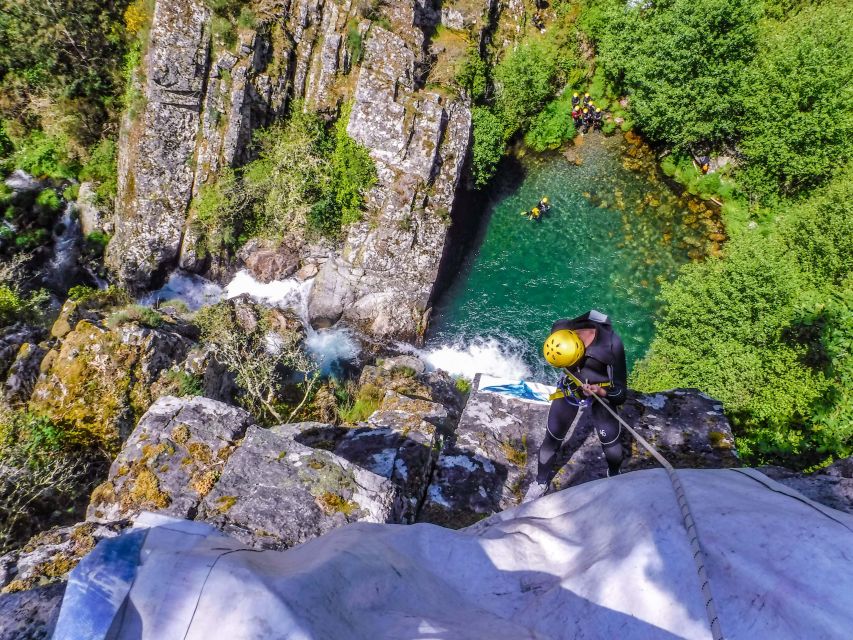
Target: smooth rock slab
column 277, row 493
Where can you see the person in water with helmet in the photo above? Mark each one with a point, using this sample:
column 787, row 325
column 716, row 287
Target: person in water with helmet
column 544, row 205
column 589, row 348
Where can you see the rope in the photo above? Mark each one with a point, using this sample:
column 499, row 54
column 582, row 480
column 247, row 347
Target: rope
column 686, row 517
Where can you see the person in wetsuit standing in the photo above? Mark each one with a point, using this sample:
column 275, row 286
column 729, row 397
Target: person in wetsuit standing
column 592, row 351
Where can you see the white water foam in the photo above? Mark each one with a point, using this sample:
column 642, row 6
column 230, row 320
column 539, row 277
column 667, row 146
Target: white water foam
column 482, row 355
column 327, row 347
column 192, row 290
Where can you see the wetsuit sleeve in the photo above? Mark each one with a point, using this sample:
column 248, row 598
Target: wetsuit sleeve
column 617, row 392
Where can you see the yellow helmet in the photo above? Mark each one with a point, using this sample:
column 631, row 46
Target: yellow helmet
column 535, row 211
column 544, row 199
column 586, row 110
column 586, row 95
column 563, row 348
column 575, row 94
column 598, row 110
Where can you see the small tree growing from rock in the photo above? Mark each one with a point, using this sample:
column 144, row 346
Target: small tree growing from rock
column 258, row 355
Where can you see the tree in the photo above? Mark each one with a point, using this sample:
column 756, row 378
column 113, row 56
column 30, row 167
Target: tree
column 682, row 63
column 798, row 121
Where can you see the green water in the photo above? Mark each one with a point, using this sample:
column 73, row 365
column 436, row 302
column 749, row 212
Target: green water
column 614, row 232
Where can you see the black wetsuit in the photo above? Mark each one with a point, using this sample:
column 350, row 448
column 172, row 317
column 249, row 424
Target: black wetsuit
column 603, row 361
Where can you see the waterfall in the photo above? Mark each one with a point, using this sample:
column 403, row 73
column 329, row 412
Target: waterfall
column 66, row 249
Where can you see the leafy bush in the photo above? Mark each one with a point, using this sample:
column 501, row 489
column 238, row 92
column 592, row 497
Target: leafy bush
column 353, row 172
column 524, row 80
column 473, row 75
column 552, row 126
column 101, row 169
column 488, row 147
column 145, row 316
column 48, row 199
column 182, row 383
column 12, row 306
column 463, row 385
column 365, row 404
column 682, row 63
column 798, row 124
column 112, row 296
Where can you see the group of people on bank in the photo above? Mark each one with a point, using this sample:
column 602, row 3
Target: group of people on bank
column 585, row 114
column 539, row 210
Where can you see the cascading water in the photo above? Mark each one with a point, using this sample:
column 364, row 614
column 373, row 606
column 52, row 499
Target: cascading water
column 328, row 347
column 67, row 239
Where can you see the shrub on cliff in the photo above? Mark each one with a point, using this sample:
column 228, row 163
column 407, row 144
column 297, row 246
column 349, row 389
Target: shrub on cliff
column 488, row 145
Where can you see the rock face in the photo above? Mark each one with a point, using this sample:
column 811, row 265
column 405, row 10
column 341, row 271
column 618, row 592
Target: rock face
column 203, row 101
column 156, row 160
column 487, row 465
column 30, row 614
column 832, row 486
column 383, row 280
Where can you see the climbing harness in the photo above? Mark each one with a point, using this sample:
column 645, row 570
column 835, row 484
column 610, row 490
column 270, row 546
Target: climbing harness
column 686, row 517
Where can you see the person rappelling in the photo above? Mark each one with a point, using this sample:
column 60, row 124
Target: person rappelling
column 593, row 356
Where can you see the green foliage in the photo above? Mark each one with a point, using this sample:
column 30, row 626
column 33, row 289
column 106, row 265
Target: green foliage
column 366, row 402
column 16, row 307
column 798, row 122
column 182, row 383
column 11, row 305
column 48, row 199
column 767, row 330
column 473, row 75
column 112, row 296
column 100, row 168
column 488, row 147
column 59, row 78
column 552, row 126
column 463, row 385
column 684, row 171
column 355, row 43
column 524, row 80
column 353, row 172
column 145, row 316
column 682, row 63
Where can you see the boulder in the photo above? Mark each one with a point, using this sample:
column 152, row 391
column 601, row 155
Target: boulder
column 118, row 366
column 832, row 486
column 11, row 340
column 396, row 443
column 31, row 614
column 277, row 493
column 267, row 263
column 48, row 557
column 172, row 459
column 89, row 213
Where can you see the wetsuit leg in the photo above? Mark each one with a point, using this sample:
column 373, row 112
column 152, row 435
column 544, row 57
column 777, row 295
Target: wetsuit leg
column 560, row 418
column 609, row 433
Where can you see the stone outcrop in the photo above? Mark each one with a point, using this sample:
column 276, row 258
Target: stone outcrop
column 276, row 493
column 30, row 614
column 384, row 278
column 491, row 459
column 23, row 374
column 172, row 459
column 203, row 101
column 832, row 486
column 157, row 149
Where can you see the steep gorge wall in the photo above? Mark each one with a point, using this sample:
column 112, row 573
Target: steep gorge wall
column 203, row 101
